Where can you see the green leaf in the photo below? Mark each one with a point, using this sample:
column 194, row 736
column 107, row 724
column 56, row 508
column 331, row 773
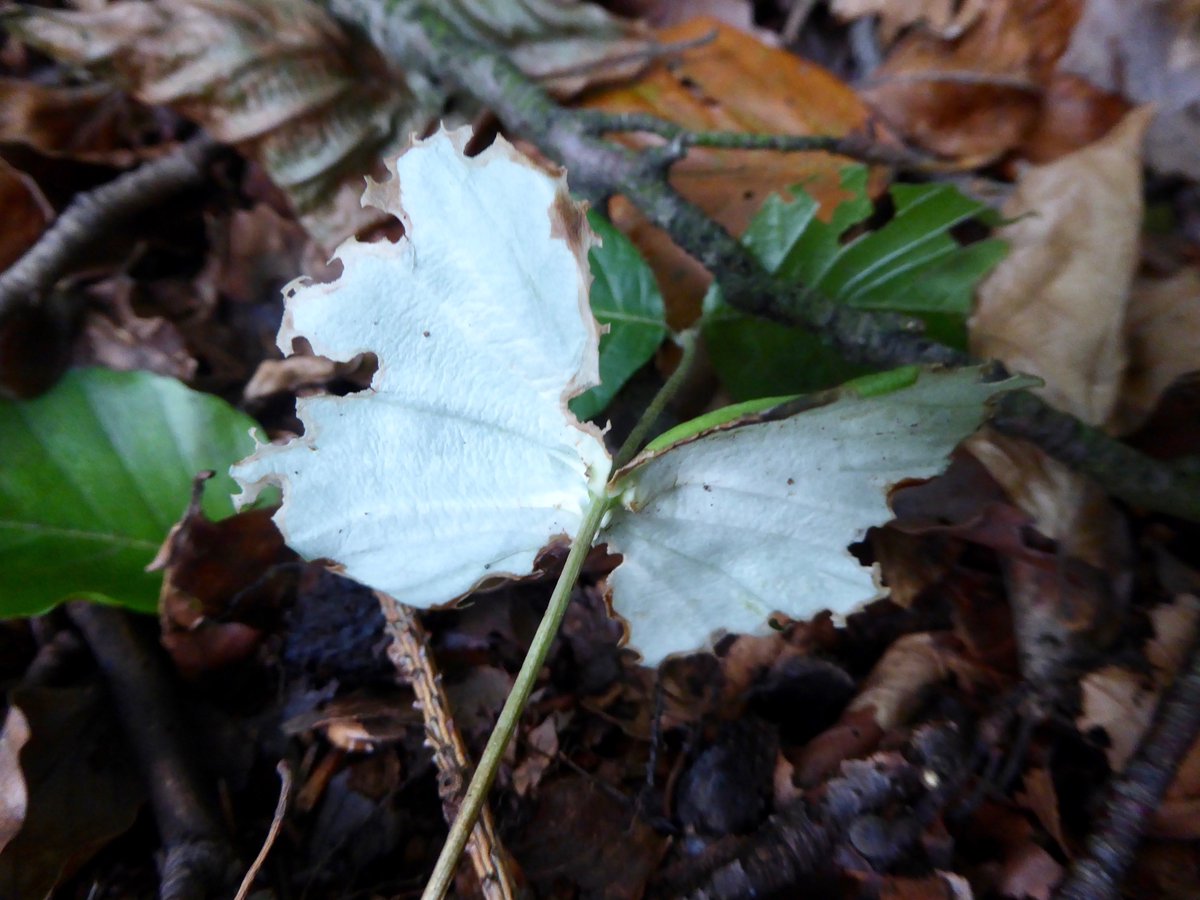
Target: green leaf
column 94, row 475
column 720, row 532
column 755, row 357
column 912, row 265
column 625, row 297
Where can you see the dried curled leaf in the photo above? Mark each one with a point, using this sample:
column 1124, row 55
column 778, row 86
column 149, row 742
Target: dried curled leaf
column 278, row 78
column 461, row 462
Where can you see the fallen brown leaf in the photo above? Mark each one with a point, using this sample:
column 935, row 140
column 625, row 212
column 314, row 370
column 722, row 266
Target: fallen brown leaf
column 1120, row 701
column 83, row 787
column 1055, row 306
column 976, row 96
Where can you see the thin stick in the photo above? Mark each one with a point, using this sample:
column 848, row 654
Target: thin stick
column 285, row 791
column 1137, row 793
column 409, row 652
column 489, row 762
column 92, row 215
column 854, row 146
column 637, row 437
column 197, row 854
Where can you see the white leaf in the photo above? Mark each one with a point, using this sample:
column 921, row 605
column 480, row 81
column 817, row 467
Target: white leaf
column 461, row 462
column 721, row 531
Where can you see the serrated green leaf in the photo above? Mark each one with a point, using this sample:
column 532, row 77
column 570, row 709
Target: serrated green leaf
column 720, row 532
column 94, row 475
column 916, row 237
column 625, row 297
column 912, row 265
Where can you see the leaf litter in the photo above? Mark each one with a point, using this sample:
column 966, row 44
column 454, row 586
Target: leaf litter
column 617, row 743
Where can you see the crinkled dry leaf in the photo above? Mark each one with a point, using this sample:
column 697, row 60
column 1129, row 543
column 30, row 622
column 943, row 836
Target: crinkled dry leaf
column 316, row 104
column 1122, row 702
column 566, row 44
column 973, row 97
column 1055, row 307
column 278, row 78
column 462, row 455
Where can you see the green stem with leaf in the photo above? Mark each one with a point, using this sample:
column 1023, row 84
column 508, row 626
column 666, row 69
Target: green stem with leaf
column 510, row 715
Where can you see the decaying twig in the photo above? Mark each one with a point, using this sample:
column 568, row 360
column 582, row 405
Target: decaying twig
column 409, row 652
column 1169, row 487
column 93, row 214
column 880, row 806
column 1138, row 791
column 198, row 859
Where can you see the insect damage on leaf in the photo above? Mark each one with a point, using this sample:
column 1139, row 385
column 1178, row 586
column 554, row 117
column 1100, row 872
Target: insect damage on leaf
column 461, row 462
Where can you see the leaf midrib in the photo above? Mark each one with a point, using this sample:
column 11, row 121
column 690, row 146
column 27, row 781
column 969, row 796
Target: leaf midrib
column 102, row 537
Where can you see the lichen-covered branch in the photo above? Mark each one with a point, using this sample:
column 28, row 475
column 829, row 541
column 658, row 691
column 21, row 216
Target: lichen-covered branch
column 1172, row 488
column 852, row 145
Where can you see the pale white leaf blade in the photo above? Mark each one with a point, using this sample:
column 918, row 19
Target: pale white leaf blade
column 719, row 532
column 461, row 462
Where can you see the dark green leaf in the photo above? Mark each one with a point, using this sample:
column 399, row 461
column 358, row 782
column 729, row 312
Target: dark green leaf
column 625, row 297
column 912, row 265
column 93, row 476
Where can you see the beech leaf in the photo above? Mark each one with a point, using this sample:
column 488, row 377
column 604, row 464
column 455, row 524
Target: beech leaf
column 461, row 462
column 95, row 474
column 721, row 531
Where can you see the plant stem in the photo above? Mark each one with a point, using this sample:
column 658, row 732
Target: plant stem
column 489, row 762
column 637, row 437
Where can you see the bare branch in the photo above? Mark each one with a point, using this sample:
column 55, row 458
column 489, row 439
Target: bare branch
column 94, row 214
